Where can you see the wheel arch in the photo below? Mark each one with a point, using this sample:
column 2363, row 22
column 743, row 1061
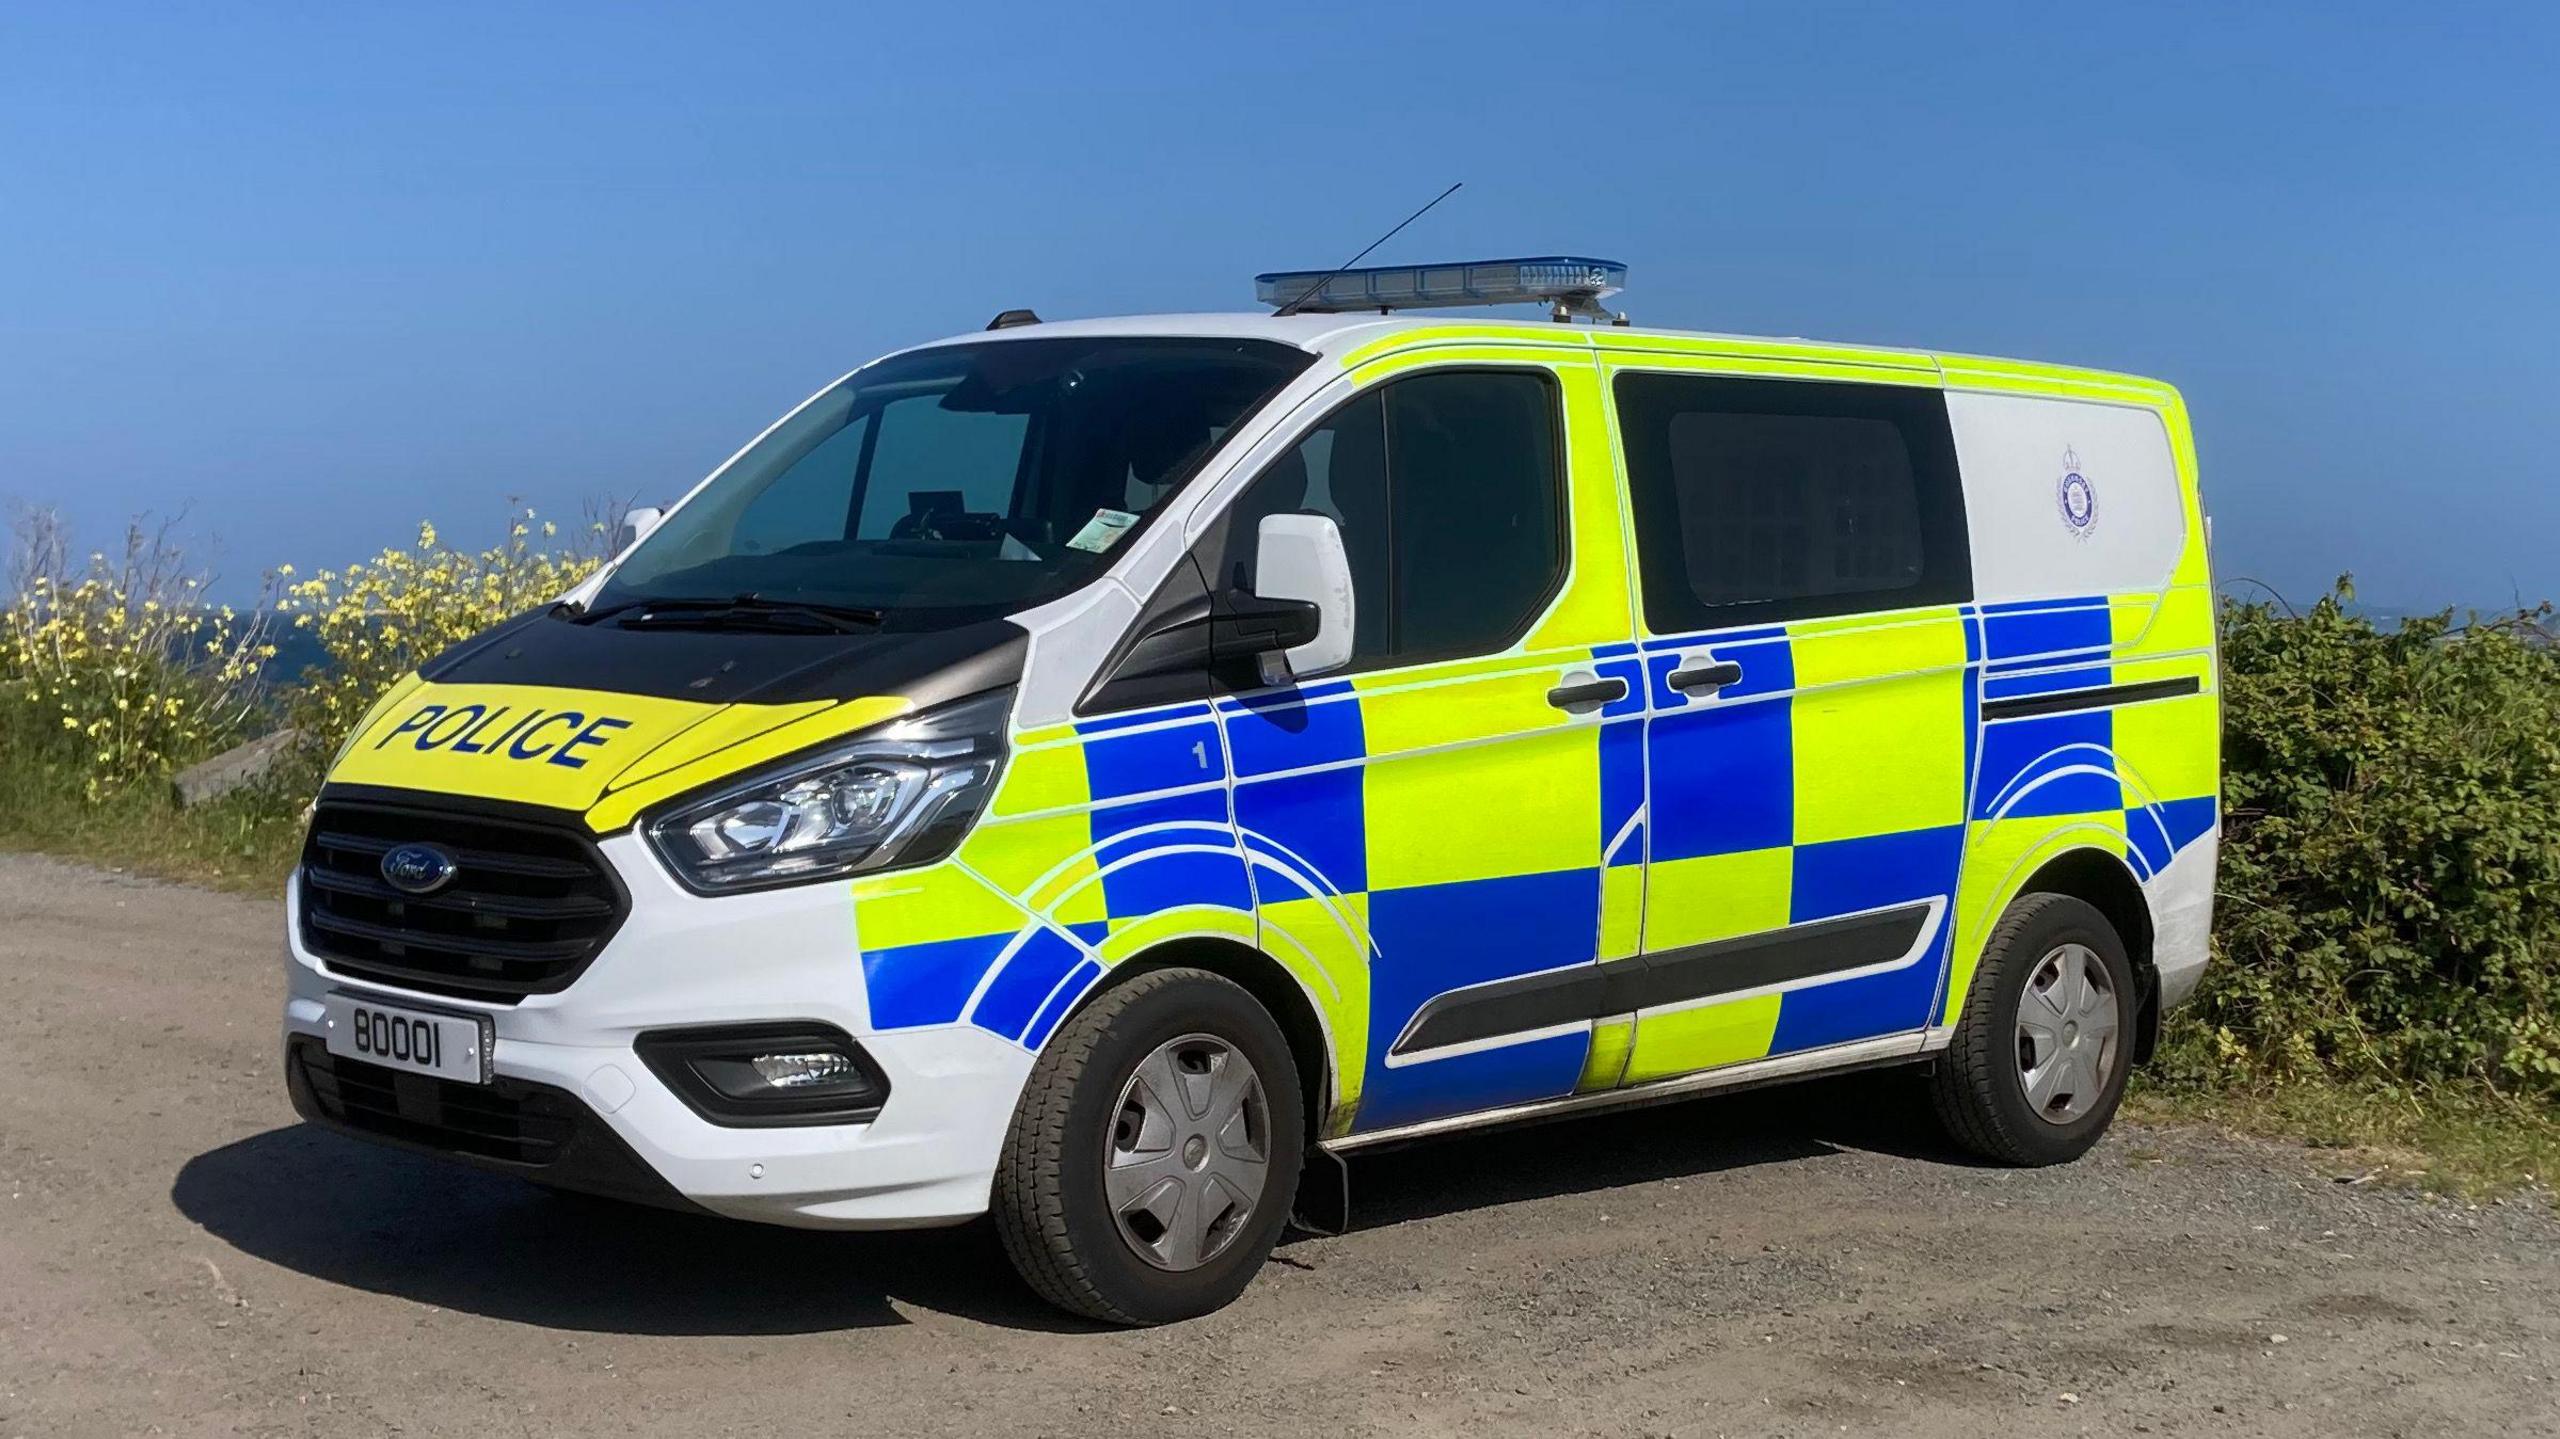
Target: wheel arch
column 2107, row 884
column 1272, row 986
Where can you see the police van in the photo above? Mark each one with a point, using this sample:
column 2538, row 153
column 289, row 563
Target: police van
column 1098, row 773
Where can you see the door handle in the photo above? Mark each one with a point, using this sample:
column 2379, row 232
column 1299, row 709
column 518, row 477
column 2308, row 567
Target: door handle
column 1588, row 692
column 1707, row 677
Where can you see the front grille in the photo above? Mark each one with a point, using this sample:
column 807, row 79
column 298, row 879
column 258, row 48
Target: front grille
column 528, row 907
column 510, row 1123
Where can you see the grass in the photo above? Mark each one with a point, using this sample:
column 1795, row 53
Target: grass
column 245, row 842
column 2470, row 1144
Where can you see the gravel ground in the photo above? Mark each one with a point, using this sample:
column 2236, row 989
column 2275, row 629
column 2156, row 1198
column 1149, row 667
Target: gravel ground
column 177, row 1255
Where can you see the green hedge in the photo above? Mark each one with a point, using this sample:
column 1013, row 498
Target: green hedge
column 2389, row 905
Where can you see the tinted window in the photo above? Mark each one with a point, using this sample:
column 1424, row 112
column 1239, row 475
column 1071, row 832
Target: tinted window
column 931, row 463
column 959, row 482
column 1478, row 542
column 1449, row 494
column 810, row 497
column 1340, row 471
column 1764, row 500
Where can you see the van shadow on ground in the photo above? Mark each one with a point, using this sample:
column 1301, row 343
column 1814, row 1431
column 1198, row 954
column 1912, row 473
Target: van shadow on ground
column 1880, row 1112
column 392, row 1223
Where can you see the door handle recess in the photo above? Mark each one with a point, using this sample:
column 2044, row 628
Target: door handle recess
column 1589, row 692
column 1707, row 677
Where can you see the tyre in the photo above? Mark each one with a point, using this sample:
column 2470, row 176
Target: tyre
column 2040, row 1056
column 1153, row 1157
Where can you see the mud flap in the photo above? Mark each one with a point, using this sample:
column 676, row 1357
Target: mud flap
column 1323, row 1204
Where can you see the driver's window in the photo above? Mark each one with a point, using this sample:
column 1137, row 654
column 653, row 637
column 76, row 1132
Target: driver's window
column 1339, row 471
column 1448, row 488
column 933, row 466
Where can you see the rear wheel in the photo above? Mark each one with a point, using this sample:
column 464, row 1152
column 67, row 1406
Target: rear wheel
column 1152, row 1159
column 2040, row 1057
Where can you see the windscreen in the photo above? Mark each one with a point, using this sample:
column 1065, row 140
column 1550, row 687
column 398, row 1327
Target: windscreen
column 958, row 483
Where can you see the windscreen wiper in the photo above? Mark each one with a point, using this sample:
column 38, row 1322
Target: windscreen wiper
column 748, row 611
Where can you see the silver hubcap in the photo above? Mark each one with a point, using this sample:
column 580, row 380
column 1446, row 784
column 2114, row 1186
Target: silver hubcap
column 1190, row 1150
column 2067, row 1024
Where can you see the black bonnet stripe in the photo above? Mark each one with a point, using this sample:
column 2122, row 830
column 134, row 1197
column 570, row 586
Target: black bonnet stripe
column 738, row 667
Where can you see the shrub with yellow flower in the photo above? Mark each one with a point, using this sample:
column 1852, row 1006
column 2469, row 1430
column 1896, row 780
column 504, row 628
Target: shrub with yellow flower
column 117, row 668
column 379, row 619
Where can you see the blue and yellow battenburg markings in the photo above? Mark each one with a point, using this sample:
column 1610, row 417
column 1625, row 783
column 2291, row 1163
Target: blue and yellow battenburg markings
column 1396, row 839
column 1338, row 829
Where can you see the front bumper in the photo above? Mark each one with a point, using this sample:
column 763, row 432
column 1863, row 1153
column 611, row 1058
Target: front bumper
column 681, row 960
column 507, row 1126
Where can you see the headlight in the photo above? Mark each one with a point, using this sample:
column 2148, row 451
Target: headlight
column 902, row 794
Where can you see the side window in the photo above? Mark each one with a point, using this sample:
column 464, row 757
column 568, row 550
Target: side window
column 1340, row 471
column 1478, row 497
column 1759, row 501
column 1449, row 491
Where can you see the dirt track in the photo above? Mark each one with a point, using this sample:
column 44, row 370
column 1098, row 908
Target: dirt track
column 178, row 1255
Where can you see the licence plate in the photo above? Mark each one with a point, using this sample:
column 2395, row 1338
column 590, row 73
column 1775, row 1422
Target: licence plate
column 400, row 1036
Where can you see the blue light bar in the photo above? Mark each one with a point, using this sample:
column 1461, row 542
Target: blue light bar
column 1578, row 284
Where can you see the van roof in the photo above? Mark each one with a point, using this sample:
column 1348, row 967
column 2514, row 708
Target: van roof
column 1355, row 339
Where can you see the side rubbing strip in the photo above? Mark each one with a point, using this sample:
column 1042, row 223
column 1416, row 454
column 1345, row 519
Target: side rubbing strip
column 1673, row 976
column 2023, row 706
column 1520, row 1006
column 1803, row 951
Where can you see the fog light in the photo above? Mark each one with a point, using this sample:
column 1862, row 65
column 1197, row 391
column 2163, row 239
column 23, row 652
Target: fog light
column 767, row 1074
column 799, row 1071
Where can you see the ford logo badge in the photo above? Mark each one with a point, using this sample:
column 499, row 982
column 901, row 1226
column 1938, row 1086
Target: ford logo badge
column 418, row 868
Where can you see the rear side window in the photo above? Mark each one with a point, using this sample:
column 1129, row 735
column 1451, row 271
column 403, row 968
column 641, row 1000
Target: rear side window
column 1449, row 492
column 1758, row 501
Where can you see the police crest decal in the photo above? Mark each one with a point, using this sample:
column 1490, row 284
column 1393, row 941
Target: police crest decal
column 2076, row 497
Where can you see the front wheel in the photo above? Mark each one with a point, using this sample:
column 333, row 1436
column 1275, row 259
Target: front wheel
column 1151, row 1162
column 2040, row 1057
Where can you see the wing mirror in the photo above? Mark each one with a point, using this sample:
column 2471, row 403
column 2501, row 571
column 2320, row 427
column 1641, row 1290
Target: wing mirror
column 636, row 524
column 1300, row 559
column 1295, row 624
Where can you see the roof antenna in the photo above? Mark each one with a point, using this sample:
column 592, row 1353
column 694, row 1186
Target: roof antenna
column 1291, row 308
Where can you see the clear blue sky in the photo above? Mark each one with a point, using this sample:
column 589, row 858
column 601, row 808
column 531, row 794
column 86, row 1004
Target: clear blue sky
column 321, row 271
